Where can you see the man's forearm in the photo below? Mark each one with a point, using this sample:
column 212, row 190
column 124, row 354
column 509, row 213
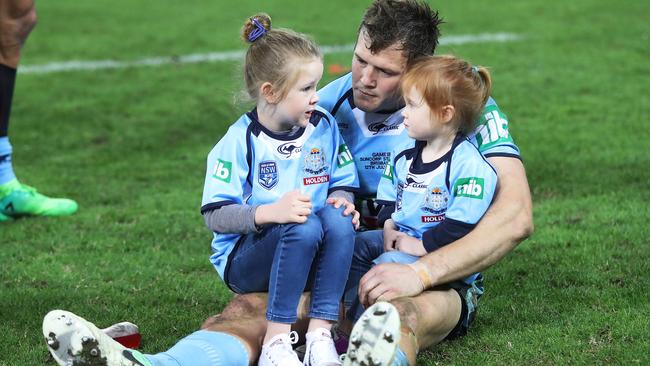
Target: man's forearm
column 507, row 223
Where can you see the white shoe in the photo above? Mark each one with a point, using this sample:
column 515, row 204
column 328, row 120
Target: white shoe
column 73, row 341
column 279, row 352
column 375, row 337
column 320, row 349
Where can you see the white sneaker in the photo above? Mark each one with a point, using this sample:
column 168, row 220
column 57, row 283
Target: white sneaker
column 320, row 349
column 73, row 341
column 278, row 351
column 375, row 337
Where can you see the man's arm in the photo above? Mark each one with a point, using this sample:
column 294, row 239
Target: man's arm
column 508, row 221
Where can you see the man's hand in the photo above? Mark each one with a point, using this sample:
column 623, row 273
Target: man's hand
column 390, row 235
column 292, row 207
column 388, row 281
column 349, row 209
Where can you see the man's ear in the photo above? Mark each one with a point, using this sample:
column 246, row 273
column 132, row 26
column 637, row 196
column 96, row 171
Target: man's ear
column 447, row 113
column 268, row 93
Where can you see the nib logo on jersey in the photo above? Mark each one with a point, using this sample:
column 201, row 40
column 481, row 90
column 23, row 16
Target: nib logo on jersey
column 471, row 187
column 289, row 149
column 435, row 202
column 222, row 170
column 315, row 166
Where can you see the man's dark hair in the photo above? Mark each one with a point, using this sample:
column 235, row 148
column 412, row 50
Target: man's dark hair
column 411, row 25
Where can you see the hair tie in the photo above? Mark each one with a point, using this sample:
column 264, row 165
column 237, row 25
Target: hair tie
column 475, row 69
column 257, row 32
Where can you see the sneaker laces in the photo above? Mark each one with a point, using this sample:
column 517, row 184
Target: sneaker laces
column 281, row 350
column 320, row 349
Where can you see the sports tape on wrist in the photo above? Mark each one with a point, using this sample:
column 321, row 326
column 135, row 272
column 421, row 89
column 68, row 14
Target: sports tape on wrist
column 423, row 274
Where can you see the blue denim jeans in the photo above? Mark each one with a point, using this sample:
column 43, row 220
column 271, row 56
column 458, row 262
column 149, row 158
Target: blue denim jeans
column 368, row 251
column 287, row 259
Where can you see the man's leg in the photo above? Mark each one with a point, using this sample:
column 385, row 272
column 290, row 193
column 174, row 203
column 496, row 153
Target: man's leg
column 17, row 19
column 420, row 321
column 426, row 320
column 73, row 340
column 245, row 318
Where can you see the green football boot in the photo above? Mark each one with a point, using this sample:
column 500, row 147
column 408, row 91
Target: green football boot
column 4, row 218
column 18, row 199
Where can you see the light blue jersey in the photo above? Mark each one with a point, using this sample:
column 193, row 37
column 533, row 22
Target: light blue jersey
column 372, row 136
column 253, row 165
column 458, row 187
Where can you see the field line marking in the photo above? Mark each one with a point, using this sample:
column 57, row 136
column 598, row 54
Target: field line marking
column 236, row 55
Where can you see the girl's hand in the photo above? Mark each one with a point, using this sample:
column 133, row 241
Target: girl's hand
column 292, row 207
column 410, row 245
column 349, row 209
column 390, row 235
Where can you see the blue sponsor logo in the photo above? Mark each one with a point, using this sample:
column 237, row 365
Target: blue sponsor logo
column 268, row 174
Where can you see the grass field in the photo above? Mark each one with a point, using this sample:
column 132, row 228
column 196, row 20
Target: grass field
column 130, row 145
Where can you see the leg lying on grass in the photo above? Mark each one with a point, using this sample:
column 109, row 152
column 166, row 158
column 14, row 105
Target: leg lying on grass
column 232, row 338
column 17, row 19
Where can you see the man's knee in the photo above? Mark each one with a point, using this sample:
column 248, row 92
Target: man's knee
column 408, row 313
column 16, row 9
column 16, row 22
column 246, row 305
column 242, row 306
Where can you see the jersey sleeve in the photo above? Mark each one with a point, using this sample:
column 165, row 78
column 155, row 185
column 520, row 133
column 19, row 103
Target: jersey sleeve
column 344, row 173
column 331, row 94
column 492, row 135
column 227, row 171
column 473, row 183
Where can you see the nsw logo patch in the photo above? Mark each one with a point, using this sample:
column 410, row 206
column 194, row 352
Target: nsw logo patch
column 267, row 174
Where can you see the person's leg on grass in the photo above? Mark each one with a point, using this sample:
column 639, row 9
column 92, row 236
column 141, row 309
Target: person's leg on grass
column 17, row 19
column 73, row 340
column 424, row 320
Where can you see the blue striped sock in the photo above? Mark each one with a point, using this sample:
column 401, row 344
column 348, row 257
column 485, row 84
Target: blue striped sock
column 6, row 169
column 400, row 358
column 203, row 348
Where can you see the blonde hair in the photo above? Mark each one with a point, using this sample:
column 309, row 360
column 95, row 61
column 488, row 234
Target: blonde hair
column 449, row 80
column 271, row 56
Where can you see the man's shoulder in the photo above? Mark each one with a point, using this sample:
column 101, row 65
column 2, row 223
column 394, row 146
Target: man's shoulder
column 333, row 94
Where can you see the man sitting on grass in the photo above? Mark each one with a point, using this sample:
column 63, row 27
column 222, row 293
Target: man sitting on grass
column 367, row 104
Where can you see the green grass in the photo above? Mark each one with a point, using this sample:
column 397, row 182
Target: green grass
column 130, row 146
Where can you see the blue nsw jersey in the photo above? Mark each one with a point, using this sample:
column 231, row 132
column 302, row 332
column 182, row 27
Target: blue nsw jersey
column 372, row 136
column 253, row 165
column 458, row 186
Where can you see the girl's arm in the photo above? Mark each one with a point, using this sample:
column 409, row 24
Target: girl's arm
column 232, row 219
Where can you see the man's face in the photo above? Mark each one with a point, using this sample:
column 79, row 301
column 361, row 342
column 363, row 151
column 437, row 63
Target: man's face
column 376, row 77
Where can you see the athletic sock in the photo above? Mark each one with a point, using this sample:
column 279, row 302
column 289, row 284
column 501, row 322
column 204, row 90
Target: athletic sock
column 203, row 348
column 6, row 169
column 400, row 358
column 7, row 81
